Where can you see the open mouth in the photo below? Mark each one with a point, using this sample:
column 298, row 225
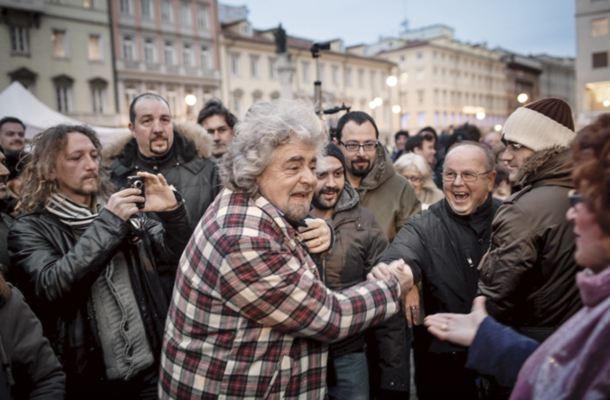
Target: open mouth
column 461, row 196
column 301, row 196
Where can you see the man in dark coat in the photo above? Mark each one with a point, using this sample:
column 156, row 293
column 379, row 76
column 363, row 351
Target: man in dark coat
column 529, row 274
column 86, row 261
column 179, row 152
column 359, row 243
column 5, row 220
column 443, row 247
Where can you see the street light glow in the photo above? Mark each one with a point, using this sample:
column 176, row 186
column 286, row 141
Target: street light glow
column 378, row 101
column 480, row 115
column 396, row 109
column 606, row 103
column 190, row 100
column 498, row 128
column 391, row 81
column 372, row 105
column 522, row 98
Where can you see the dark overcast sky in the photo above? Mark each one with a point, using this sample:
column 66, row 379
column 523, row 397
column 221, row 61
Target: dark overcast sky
column 523, row 26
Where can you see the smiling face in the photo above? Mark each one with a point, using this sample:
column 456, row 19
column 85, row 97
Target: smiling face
column 152, row 128
column 427, row 151
column 515, row 158
column 331, row 182
column 12, row 136
column 465, row 197
column 289, row 182
column 76, row 169
column 592, row 246
column 222, row 134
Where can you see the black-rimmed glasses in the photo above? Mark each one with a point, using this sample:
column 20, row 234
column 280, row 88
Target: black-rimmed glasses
column 466, row 176
column 353, row 147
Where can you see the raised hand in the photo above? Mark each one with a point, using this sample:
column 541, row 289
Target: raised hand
column 458, row 328
column 316, row 235
column 159, row 195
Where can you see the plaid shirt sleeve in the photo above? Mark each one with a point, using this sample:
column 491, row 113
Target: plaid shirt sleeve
column 269, row 285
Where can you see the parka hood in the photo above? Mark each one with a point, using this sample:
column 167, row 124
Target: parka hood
column 552, row 166
column 347, row 200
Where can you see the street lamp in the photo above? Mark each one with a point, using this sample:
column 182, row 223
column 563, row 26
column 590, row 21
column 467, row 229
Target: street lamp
column 391, row 81
column 190, row 100
column 606, row 103
column 498, row 128
column 480, row 115
column 522, row 98
column 396, row 109
column 372, row 104
column 378, row 101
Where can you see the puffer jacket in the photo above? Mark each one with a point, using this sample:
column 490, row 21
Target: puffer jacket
column 188, row 167
column 528, row 275
column 388, row 195
column 359, row 243
column 55, row 270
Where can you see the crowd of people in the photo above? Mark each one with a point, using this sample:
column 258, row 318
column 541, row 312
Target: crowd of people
column 265, row 259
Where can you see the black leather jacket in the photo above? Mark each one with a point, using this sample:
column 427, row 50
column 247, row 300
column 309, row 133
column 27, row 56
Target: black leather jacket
column 55, row 271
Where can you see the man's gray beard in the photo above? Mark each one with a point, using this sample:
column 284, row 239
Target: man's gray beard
column 296, row 213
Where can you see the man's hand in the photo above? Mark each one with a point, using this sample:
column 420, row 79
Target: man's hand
column 316, row 235
column 458, row 328
column 123, row 203
column 397, row 268
column 159, row 196
column 412, row 308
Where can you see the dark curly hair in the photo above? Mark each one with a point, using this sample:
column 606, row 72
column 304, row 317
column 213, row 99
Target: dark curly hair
column 592, row 168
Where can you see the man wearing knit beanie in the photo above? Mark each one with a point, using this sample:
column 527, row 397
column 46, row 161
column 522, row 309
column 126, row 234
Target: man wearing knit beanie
column 359, row 245
column 528, row 275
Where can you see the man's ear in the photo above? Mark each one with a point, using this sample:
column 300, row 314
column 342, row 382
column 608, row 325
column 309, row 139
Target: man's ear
column 335, row 141
column 133, row 133
column 492, row 179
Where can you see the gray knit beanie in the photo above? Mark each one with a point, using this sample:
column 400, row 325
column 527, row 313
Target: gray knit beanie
column 541, row 125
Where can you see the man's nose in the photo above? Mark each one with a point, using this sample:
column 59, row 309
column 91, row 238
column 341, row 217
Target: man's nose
column 507, row 155
column 216, row 136
column 360, row 151
column 309, row 177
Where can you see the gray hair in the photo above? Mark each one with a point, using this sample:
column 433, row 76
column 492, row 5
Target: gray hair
column 411, row 159
column 265, row 127
column 490, row 158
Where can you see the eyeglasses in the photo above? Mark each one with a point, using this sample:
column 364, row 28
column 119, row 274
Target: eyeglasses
column 574, row 197
column 353, row 147
column 513, row 146
column 466, row 176
column 414, row 178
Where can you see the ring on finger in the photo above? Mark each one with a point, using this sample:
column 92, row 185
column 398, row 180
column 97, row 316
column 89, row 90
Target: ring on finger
column 444, row 326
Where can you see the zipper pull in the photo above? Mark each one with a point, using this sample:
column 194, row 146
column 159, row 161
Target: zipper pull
column 470, row 262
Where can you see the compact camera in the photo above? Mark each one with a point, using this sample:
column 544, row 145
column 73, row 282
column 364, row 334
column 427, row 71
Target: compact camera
column 137, row 182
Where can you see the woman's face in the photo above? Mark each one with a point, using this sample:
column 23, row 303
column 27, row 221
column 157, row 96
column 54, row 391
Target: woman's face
column 592, row 245
column 413, row 176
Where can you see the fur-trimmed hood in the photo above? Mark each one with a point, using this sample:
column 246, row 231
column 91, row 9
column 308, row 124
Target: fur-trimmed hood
column 192, row 133
column 554, row 166
column 348, row 198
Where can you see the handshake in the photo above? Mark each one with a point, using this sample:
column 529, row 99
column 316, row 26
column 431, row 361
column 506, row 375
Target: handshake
column 397, row 269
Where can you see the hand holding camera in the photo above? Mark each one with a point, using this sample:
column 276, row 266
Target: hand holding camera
column 147, row 193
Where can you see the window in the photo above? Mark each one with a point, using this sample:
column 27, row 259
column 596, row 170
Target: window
column 305, row 72
column 94, row 47
column 254, row 67
column 125, row 7
column 421, row 119
column 130, row 94
column 168, row 53
column 206, row 59
column 272, row 68
column 373, row 79
column 167, row 14
column 185, row 14
column 599, row 27
column 63, row 93
column 600, row 60
column 203, row 16
column 20, row 40
column 150, row 51
column 348, row 77
column 172, row 99
column 235, row 64
column 361, row 78
column 98, row 95
column 335, row 75
column 420, row 97
column 129, row 48
column 89, row 3
column 59, row 43
column 187, row 55
column 237, row 104
column 148, row 10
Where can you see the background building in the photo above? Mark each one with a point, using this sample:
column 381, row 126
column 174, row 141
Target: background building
column 168, row 47
column 61, row 51
column 592, row 69
column 250, row 73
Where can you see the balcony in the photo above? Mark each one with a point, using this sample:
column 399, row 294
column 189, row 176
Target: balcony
column 23, row 5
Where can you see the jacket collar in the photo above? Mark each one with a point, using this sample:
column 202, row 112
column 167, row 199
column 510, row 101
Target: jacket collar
column 475, row 219
column 348, row 199
column 548, row 167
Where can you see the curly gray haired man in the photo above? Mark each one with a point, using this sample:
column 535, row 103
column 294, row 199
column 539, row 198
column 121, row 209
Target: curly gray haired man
column 250, row 317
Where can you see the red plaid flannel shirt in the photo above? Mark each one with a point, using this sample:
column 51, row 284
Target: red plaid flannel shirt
column 250, row 318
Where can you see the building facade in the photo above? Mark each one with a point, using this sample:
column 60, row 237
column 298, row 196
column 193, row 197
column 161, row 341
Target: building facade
column 444, row 83
column 250, row 73
column 592, row 63
column 61, row 51
column 167, row 47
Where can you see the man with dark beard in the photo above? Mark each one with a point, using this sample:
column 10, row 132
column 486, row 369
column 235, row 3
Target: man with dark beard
column 360, row 241
column 392, row 200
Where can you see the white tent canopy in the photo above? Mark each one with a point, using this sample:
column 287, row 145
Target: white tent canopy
column 16, row 101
